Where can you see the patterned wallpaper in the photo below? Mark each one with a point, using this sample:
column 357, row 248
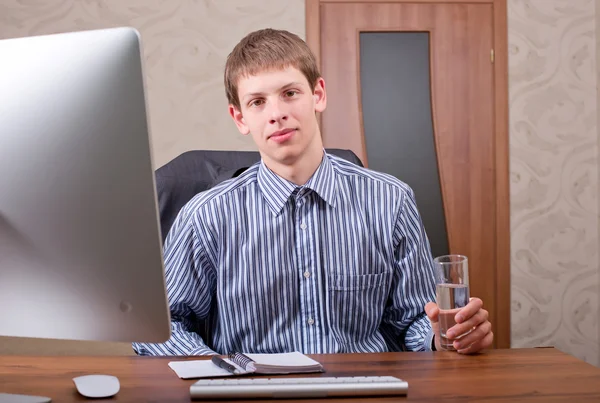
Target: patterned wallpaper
column 554, row 175
column 553, row 135
column 185, row 46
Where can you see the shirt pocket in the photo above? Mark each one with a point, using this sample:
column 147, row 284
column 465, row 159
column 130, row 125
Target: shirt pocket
column 356, row 304
column 341, row 282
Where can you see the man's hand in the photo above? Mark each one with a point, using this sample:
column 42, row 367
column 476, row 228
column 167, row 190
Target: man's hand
column 472, row 316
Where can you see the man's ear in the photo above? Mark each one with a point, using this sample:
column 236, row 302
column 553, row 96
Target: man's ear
column 320, row 95
column 238, row 119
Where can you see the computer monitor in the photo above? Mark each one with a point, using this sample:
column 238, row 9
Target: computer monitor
column 80, row 246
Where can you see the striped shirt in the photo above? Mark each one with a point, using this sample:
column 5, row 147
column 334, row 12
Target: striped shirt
column 260, row 265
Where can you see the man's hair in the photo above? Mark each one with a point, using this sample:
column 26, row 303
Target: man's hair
column 264, row 50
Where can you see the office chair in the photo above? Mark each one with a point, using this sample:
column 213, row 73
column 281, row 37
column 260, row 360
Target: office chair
column 195, row 171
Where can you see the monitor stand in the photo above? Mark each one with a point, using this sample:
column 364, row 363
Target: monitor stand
column 12, row 398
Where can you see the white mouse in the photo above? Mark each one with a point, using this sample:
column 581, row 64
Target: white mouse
column 94, row 386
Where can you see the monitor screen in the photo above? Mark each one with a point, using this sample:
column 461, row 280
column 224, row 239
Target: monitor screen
column 80, row 246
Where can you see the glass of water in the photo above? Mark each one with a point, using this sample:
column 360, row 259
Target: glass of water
column 452, row 292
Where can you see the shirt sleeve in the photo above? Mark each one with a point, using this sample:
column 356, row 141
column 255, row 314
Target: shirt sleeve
column 413, row 284
column 191, row 284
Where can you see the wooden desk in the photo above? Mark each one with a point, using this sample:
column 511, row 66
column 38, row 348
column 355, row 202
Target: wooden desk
column 544, row 375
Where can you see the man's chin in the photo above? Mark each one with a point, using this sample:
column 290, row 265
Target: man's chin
column 285, row 155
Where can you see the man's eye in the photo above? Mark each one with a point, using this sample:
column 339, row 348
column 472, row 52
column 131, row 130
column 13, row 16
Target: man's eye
column 291, row 93
column 256, row 102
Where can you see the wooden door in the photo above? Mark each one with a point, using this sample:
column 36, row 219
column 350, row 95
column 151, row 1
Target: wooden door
column 468, row 102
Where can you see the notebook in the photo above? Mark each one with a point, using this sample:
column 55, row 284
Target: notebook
column 283, row 363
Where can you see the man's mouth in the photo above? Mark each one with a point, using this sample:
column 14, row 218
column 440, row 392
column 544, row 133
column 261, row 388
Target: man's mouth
column 282, row 135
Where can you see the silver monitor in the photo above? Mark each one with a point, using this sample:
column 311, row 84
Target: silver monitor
column 80, row 247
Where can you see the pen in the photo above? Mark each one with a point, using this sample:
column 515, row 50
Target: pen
column 221, row 363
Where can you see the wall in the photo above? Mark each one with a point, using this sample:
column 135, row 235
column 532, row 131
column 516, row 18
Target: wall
column 597, row 17
column 554, row 175
column 185, row 45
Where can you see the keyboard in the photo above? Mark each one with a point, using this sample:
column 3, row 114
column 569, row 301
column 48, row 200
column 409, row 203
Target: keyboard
column 281, row 388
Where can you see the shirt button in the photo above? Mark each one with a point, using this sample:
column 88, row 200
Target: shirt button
column 303, row 226
column 311, row 321
column 306, row 274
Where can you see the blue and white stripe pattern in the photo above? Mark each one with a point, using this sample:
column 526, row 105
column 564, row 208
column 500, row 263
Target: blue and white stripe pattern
column 259, row 265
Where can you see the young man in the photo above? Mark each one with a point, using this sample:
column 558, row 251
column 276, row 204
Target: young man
column 303, row 251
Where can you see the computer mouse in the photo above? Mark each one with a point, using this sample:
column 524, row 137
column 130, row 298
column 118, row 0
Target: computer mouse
column 94, row 386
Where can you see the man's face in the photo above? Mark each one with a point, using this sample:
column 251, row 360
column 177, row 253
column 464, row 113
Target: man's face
column 278, row 109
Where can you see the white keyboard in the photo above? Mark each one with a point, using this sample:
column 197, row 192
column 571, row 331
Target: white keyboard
column 280, row 388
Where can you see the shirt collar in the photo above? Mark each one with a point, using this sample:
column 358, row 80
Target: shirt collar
column 323, row 182
column 277, row 190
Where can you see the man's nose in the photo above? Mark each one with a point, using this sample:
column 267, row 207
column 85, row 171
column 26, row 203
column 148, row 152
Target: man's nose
column 278, row 111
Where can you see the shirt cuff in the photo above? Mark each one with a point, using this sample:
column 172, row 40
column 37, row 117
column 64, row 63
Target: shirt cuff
column 203, row 351
column 430, row 341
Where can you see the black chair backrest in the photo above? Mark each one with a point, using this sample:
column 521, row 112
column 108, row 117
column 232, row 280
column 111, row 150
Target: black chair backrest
column 195, row 171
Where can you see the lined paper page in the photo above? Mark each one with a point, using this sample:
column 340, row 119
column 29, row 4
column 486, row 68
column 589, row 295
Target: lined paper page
column 294, row 359
column 200, row 369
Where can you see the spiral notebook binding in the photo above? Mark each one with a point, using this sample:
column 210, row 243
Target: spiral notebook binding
column 243, row 361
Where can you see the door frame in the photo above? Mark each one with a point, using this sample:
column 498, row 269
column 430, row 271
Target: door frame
column 501, row 151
